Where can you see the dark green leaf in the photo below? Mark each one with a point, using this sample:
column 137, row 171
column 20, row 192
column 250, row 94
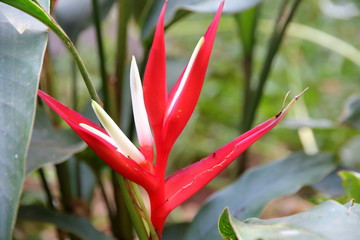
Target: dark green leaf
column 175, row 231
column 76, row 16
column 248, row 195
column 351, row 184
column 350, row 152
column 330, row 221
column 351, row 114
column 331, row 184
column 79, row 226
column 246, row 24
column 50, row 145
column 81, row 171
column 23, row 40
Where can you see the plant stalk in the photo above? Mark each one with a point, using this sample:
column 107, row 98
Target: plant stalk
column 101, row 53
column 285, row 16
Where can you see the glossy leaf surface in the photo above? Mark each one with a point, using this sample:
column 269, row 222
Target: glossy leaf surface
column 50, row 145
column 23, row 41
column 328, row 221
column 79, row 226
column 248, row 195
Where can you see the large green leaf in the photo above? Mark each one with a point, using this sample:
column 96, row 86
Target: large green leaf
column 349, row 153
column 351, row 114
column 76, row 16
column 22, row 44
column 248, row 195
column 328, row 221
column 177, row 8
column 50, row 145
column 79, row 226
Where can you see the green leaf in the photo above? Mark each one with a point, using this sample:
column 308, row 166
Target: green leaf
column 50, row 145
column 349, row 153
column 226, row 228
column 246, row 24
column 175, row 9
column 23, row 40
column 175, row 231
column 351, row 184
column 351, row 114
column 34, row 9
column 328, row 221
column 82, row 172
column 76, row 16
column 78, row 226
column 248, row 195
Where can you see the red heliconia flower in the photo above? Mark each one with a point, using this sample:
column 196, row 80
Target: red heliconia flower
column 160, row 118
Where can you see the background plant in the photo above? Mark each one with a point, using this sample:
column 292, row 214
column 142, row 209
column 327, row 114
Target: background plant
column 252, row 67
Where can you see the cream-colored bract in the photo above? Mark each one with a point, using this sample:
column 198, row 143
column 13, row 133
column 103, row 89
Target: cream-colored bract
column 124, row 145
column 140, row 116
column 97, row 132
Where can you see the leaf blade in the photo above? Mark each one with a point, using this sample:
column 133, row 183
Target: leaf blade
column 23, row 43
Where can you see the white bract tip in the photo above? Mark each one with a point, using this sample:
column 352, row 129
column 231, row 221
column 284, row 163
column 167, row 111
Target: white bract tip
column 140, row 116
column 186, row 74
column 291, row 104
column 98, row 133
column 124, row 145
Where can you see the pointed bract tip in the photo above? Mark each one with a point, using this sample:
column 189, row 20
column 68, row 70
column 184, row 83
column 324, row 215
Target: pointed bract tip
column 299, row 95
column 291, row 104
column 140, row 115
column 186, row 75
column 124, row 145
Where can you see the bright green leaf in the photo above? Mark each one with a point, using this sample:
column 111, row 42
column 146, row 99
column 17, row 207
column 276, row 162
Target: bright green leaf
column 248, row 195
column 226, row 228
column 76, row 16
column 78, row 226
column 330, row 221
column 351, row 184
column 23, row 41
column 245, row 231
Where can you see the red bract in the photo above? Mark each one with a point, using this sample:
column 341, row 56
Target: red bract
column 167, row 115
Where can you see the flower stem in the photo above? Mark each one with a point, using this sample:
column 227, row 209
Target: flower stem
column 101, row 54
column 246, row 22
column 131, row 203
column 34, row 9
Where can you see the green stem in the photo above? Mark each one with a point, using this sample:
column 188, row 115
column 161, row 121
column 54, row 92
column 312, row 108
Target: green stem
column 62, row 171
column 133, row 207
column 101, row 53
column 50, row 198
column 47, row 190
column 104, row 195
column 284, row 18
column 64, row 179
column 121, row 217
column 74, row 89
column 124, row 9
column 34, row 9
column 247, row 24
column 146, row 216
